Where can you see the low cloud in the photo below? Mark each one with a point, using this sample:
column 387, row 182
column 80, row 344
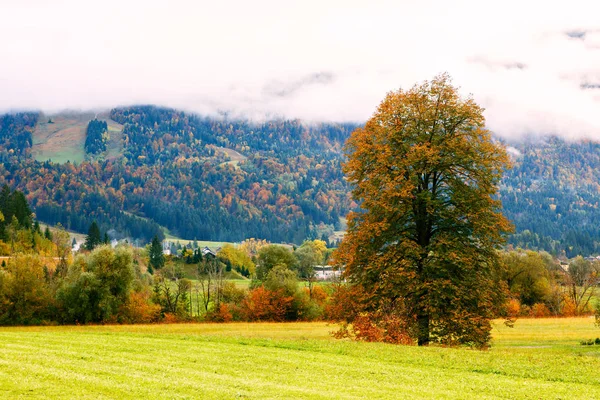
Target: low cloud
column 534, row 66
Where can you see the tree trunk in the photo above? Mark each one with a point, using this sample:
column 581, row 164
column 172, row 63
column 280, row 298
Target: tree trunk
column 423, row 326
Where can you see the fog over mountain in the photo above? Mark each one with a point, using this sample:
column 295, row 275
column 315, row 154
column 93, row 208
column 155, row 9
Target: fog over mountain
column 534, row 66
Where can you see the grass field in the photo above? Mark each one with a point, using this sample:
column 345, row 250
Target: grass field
column 538, row 359
column 63, row 139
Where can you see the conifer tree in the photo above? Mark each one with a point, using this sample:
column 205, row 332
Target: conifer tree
column 155, row 254
column 93, row 238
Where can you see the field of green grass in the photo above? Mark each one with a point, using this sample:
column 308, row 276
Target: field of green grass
column 63, row 138
column 538, row 359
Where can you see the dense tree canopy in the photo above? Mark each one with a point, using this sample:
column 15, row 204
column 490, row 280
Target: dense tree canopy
column 424, row 246
column 96, row 136
column 175, row 169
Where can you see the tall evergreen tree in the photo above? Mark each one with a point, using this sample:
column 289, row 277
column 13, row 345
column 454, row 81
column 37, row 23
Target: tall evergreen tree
column 94, row 238
column 157, row 258
column 47, row 233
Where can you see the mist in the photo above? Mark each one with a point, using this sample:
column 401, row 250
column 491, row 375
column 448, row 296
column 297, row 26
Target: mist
column 534, row 66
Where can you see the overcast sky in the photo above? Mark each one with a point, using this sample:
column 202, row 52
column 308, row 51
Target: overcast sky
column 534, row 65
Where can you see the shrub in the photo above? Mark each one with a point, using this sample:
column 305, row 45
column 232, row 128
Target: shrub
column 513, row 308
column 304, row 308
column 222, row 314
column 262, row 304
column 232, row 294
column 139, row 309
column 369, row 327
column 319, row 295
column 569, row 308
column 539, row 310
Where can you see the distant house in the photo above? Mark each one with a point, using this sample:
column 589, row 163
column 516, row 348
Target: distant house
column 206, row 252
column 76, row 246
column 326, row 272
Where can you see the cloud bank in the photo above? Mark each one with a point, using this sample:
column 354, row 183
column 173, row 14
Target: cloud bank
column 534, row 66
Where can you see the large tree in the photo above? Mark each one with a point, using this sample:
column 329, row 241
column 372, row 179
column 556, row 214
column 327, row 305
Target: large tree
column 424, row 245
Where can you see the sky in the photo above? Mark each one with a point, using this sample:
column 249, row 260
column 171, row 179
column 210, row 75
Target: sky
column 534, row 65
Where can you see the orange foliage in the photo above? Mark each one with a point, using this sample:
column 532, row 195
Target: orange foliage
column 513, row 308
column 569, row 308
column 539, row 310
column 265, row 305
column 139, row 309
column 343, row 303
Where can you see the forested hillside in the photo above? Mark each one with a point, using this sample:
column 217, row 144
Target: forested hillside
column 176, row 171
column 552, row 196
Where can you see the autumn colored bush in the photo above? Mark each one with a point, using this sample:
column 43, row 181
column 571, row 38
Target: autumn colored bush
column 369, row 327
column 318, row 295
column 169, row 318
column 265, row 305
column 139, row 309
column 222, row 314
column 539, row 310
column 513, row 308
column 343, row 304
column 569, row 308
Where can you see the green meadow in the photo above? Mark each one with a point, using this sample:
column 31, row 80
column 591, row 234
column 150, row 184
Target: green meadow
column 537, row 359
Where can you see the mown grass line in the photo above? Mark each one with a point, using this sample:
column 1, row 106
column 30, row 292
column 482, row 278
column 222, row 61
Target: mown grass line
column 288, row 361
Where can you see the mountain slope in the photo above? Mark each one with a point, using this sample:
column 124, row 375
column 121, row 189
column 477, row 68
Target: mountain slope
column 279, row 180
column 283, row 182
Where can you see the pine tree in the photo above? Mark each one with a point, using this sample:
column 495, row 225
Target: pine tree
column 93, row 237
column 47, row 233
column 155, row 254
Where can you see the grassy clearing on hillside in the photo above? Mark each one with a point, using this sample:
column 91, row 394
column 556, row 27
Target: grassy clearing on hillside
column 63, row 139
column 537, row 359
column 235, row 157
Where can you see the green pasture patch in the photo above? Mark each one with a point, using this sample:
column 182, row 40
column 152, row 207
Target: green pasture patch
column 538, row 359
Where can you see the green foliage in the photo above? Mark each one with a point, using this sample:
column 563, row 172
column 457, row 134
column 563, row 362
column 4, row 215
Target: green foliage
column 97, row 285
column 271, row 256
column 310, row 254
column 282, row 278
column 25, row 295
column 236, row 259
column 47, row 233
column 96, row 137
column 155, row 254
column 527, row 275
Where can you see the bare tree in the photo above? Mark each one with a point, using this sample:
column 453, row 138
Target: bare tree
column 581, row 280
column 171, row 290
column 211, row 280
